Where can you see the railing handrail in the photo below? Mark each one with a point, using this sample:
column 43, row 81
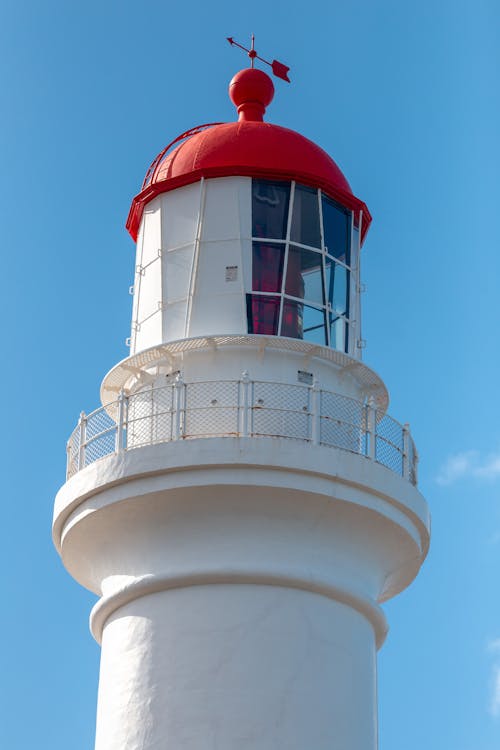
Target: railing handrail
column 348, row 423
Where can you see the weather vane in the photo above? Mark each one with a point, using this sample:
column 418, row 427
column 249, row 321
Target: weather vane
column 279, row 70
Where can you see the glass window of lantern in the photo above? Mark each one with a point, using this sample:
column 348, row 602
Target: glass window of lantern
column 297, row 291
column 337, row 285
column 263, row 314
column 314, row 325
column 304, row 275
column 338, row 334
column 305, row 217
column 267, row 266
column 270, row 202
column 336, row 230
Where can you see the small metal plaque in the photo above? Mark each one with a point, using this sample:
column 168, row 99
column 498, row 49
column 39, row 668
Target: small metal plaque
column 231, row 273
column 305, row 377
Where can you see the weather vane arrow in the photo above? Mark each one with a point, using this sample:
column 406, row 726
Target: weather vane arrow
column 279, row 70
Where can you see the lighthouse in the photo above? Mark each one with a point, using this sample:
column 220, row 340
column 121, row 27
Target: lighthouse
column 242, row 503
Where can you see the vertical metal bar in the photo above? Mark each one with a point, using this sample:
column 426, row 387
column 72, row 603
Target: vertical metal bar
column 406, row 451
column 82, row 425
column 371, row 424
column 245, row 384
column 250, row 391
column 357, row 351
column 176, row 410
column 353, row 293
column 179, row 405
column 193, row 277
column 326, row 292
column 315, row 413
column 121, row 422
column 287, row 247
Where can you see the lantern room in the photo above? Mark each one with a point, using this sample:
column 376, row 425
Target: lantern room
column 247, row 228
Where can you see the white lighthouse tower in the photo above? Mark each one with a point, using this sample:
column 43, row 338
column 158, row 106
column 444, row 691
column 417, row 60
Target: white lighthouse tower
column 241, row 503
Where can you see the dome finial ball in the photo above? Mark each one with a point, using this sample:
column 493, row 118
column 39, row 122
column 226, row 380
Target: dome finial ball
column 251, row 91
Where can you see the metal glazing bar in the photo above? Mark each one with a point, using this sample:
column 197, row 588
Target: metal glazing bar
column 315, row 413
column 287, row 250
column 245, row 387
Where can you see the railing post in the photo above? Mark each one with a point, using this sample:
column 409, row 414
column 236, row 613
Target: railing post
column 406, row 451
column 315, row 413
column 178, row 407
column 121, row 422
column 245, row 387
column 82, row 428
column 68, row 458
column 371, row 427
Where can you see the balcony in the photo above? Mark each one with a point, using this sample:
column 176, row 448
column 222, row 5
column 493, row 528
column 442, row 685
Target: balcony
column 242, row 408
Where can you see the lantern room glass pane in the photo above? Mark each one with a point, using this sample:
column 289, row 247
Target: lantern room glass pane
column 303, row 322
column 314, row 325
column 340, row 301
column 304, row 275
column 270, row 202
column 263, row 314
column 305, row 220
column 292, row 323
column 338, row 337
column 267, row 266
column 336, row 224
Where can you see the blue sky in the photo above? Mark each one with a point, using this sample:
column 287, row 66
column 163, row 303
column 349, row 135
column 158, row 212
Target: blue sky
column 405, row 97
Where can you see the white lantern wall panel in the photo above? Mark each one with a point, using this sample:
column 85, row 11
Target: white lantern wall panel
column 146, row 321
column 246, row 256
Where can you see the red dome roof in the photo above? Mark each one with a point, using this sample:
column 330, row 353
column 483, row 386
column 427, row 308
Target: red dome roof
column 248, row 148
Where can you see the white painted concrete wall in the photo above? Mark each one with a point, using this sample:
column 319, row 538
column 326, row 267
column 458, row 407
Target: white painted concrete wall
column 237, row 666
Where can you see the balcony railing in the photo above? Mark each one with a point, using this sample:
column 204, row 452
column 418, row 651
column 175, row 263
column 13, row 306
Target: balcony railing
column 242, row 408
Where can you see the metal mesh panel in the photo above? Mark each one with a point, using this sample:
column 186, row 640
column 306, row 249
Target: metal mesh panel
column 389, row 444
column 281, row 396
column 219, row 421
column 388, row 455
column 339, row 434
column 342, row 408
column 150, row 417
column 211, row 409
column 215, row 393
column 100, row 446
column 342, row 422
column 281, row 410
column 278, row 423
column 96, row 422
column 390, row 430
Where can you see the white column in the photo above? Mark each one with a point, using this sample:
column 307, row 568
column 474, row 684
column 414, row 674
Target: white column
column 237, row 666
